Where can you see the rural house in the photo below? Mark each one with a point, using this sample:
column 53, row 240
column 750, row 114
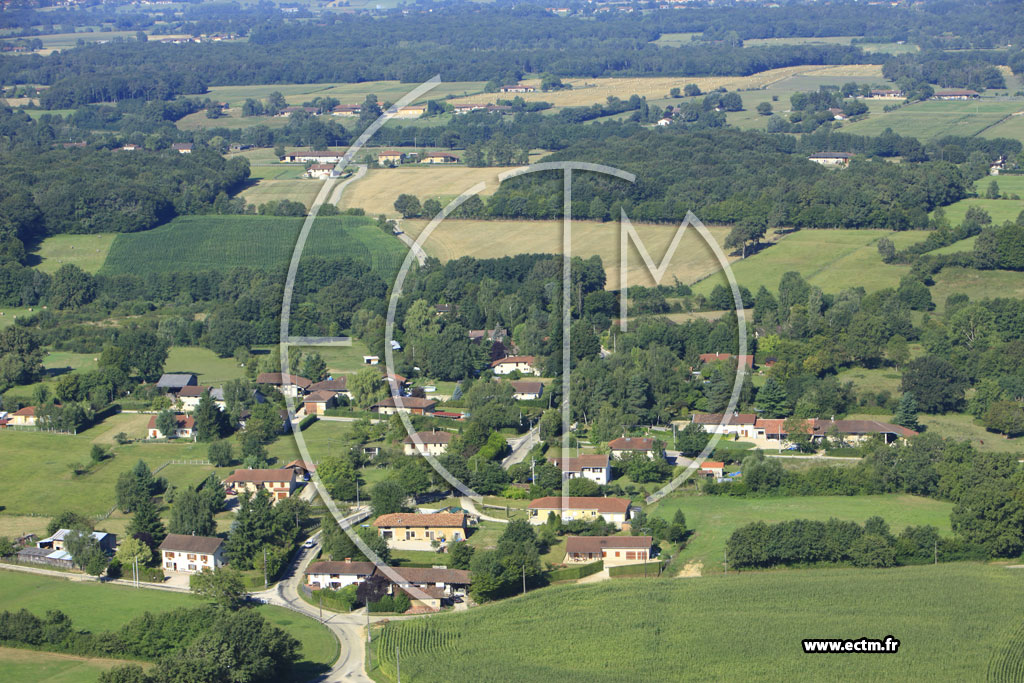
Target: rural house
column 108, row 542
column 594, row 467
column 854, row 431
column 320, row 156
column 172, row 383
column 289, row 385
column 413, row 111
column 712, row 468
column 24, row 417
column 956, row 94
column 338, row 574
column 302, row 471
column 447, row 581
column 439, row 158
column 191, row 554
column 585, row 508
column 415, row 531
column 347, row 110
column 390, row 156
column 615, row 551
column 497, row 334
column 433, row 443
column 186, row 428
column 632, row 444
column 518, row 88
column 320, row 171
column 887, row 94
column 405, row 404
column 317, row 402
column 182, row 147
column 747, row 360
column 526, row 390
column 739, row 424
column 190, row 396
column 522, row 364
column 281, row 482
column 831, row 158
column 339, row 387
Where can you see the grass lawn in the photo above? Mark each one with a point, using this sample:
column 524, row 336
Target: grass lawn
column 302, row 190
column 714, row 518
column 964, row 427
column 876, row 380
column 1008, row 184
column 831, row 259
column 492, row 239
column 26, row 665
column 91, row 493
column 1001, row 210
column 977, row 284
column 97, row 607
column 962, row 245
column 88, row 252
column 952, row 621
column 935, row 118
column 321, row 438
column 340, row 359
column 211, row 368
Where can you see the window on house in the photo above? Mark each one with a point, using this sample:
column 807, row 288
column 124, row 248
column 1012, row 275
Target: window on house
column 169, row 556
column 191, row 557
column 191, row 567
column 205, row 558
column 630, row 555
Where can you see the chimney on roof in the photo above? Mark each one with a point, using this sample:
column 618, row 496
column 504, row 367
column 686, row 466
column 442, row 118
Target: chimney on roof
column 348, row 559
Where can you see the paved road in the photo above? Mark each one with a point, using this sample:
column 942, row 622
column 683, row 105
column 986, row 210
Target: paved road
column 348, row 628
column 360, row 172
column 521, row 446
column 421, row 256
column 469, row 506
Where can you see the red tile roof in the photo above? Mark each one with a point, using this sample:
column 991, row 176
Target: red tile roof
column 409, row 402
column 522, row 386
column 454, row 520
column 27, row 411
column 712, row 465
column 747, row 360
column 431, row 575
column 318, row 397
column 193, row 390
column 719, row 418
column 339, row 384
column 632, row 443
column 529, row 360
column 578, row 463
column 260, row 476
column 279, row 379
column 347, row 568
column 184, row 543
column 602, row 505
column 184, row 421
column 435, row 437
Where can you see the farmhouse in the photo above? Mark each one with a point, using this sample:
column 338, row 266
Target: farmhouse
column 887, row 94
column 182, row 147
column 413, row 531
column 665, row 121
column 628, row 444
column 837, row 113
column 428, row 443
column 518, row 88
column 746, row 359
column 191, row 554
column 52, row 552
column 130, row 147
column 441, row 309
column 338, row 574
column 466, row 108
column 317, row 402
column 510, row 364
column 447, row 581
column 289, row 385
column 25, row 417
column 302, row 471
column 172, row 383
column 320, row 171
column 439, row 158
column 281, row 483
column 288, row 111
column 186, row 428
column 189, row 397
column 526, row 390
column 831, row 158
column 594, row 467
column 413, row 111
column 586, row 508
column 741, row 424
column 956, row 94
column 390, row 156
column 347, row 110
column 316, row 157
column 108, row 542
column 613, row 550
column 405, row 404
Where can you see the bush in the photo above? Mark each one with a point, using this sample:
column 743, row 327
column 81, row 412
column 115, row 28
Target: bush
column 306, row 422
column 576, row 572
column 398, row 603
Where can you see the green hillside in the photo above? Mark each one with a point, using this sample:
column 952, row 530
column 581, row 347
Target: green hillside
column 199, row 243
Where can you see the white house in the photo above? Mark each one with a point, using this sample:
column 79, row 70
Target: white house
column 526, row 390
column 433, row 443
column 508, row 365
column 190, row 396
column 585, row 508
column 338, row 574
column 613, row 550
column 738, row 424
column 831, row 158
column 320, row 171
column 593, row 467
column 191, row 554
column 186, row 428
column 289, row 385
column 629, row 444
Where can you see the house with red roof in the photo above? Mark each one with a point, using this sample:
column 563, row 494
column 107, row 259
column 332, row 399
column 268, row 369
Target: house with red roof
column 420, row 531
column 26, row 417
column 632, row 444
column 738, row 424
column 584, row 508
column 525, row 365
column 186, row 428
column 615, row 551
column 281, row 483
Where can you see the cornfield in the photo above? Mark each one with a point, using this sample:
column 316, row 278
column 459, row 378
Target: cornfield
column 951, row 620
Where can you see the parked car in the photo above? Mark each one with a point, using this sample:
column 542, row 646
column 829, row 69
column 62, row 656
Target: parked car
column 309, row 543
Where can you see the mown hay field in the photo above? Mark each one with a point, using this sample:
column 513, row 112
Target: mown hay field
column 490, row 239
column 951, row 621
column 936, row 118
column 377, row 191
column 88, row 252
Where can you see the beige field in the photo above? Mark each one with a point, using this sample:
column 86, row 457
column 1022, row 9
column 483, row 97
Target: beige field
column 586, row 91
column 377, row 190
column 88, row 252
column 489, row 239
column 299, row 190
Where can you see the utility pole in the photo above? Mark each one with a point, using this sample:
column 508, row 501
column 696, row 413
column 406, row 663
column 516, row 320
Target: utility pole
column 264, row 567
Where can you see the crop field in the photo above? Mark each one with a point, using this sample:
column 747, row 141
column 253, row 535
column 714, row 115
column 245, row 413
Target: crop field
column 489, row 239
column 198, row 243
column 760, row 619
column 295, row 189
column 26, row 665
column 587, row 91
column 1001, row 210
column 714, row 518
column 210, row 368
column 831, row 259
column 377, row 190
column 348, row 93
column 88, row 252
column 935, row 118
column 96, row 607
column 265, row 172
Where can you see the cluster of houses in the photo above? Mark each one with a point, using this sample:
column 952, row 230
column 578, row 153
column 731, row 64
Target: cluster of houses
column 750, row 426
column 434, row 586
column 391, row 157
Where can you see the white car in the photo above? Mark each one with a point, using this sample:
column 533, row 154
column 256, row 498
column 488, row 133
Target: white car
column 309, row 543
